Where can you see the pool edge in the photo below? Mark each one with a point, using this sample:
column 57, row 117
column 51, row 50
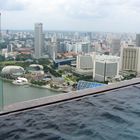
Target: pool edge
column 45, row 101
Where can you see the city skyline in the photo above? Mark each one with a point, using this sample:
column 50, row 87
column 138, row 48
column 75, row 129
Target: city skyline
column 84, row 15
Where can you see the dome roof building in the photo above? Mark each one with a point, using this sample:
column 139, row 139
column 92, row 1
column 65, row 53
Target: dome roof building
column 13, row 70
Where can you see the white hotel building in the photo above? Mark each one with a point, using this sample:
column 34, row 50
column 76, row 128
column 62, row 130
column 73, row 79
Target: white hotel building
column 106, row 66
column 99, row 66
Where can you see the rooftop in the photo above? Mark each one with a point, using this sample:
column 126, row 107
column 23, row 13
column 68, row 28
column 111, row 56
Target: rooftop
column 64, row 60
column 83, row 115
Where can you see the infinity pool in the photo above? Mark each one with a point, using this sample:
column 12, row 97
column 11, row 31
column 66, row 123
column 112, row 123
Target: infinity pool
column 111, row 116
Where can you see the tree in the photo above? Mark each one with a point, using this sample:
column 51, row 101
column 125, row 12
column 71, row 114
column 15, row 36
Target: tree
column 44, row 61
column 23, row 57
column 2, row 58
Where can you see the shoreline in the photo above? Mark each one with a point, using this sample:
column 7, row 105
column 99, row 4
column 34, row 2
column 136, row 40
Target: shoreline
column 33, row 85
column 5, row 79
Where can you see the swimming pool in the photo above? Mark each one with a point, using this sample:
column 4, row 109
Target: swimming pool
column 111, row 116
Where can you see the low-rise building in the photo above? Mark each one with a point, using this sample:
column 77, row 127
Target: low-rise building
column 13, row 71
column 36, row 71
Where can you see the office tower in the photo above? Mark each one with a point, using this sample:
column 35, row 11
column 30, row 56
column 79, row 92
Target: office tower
column 77, row 47
column 52, row 47
column 54, row 38
column 10, row 48
column 85, row 47
column 85, row 62
column 130, row 59
column 89, row 34
column 69, row 47
column 138, row 40
column 61, row 47
column 76, row 36
column 100, row 66
column 39, row 40
column 53, row 51
column 103, row 70
column 106, row 67
column 115, row 47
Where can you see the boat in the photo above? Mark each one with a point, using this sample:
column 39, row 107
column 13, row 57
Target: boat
column 20, row 81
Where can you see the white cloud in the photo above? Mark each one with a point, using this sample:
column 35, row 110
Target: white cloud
column 103, row 15
column 10, row 5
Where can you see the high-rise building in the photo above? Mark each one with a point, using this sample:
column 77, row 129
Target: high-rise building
column 53, row 51
column 138, row 40
column 39, row 40
column 106, row 66
column 10, row 48
column 86, row 47
column 130, row 59
column 54, row 38
column 69, row 47
column 85, row 64
column 115, row 47
column 100, row 66
column 103, row 70
column 85, row 61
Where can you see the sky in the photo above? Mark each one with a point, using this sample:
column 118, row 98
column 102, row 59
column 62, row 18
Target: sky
column 75, row 15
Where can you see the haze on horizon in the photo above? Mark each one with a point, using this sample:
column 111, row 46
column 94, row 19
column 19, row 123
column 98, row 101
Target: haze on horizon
column 79, row 15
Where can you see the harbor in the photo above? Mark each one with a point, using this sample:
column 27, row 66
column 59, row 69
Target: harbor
column 14, row 93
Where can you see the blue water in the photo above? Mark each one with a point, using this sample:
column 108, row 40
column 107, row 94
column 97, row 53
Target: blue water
column 111, row 116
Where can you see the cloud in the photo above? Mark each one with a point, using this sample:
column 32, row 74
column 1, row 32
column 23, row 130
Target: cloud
column 11, row 5
column 82, row 9
column 102, row 15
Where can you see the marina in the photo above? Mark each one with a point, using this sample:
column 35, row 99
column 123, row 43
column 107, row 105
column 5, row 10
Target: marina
column 15, row 93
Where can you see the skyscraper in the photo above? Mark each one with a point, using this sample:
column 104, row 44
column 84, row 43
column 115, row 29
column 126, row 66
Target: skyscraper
column 130, row 57
column 138, row 40
column 115, row 46
column 53, row 47
column 105, row 68
column 39, row 40
column 85, row 61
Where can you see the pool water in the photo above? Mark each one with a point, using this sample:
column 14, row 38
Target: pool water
column 111, row 116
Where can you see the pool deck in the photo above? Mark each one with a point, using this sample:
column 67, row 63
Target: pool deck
column 27, row 105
